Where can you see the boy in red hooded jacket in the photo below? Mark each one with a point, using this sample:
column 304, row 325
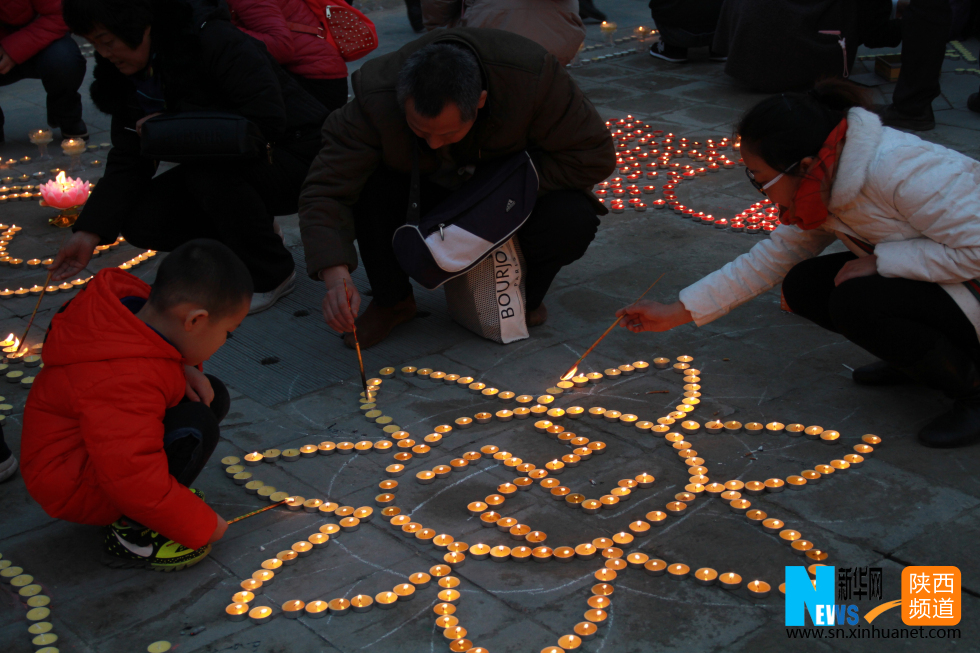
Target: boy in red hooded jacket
column 120, row 420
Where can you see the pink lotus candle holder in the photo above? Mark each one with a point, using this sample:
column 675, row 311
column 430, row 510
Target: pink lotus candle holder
column 66, row 194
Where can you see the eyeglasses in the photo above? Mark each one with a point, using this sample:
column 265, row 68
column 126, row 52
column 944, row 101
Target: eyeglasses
column 762, row 188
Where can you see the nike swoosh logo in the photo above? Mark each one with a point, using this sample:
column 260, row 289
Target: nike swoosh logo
column 141, row 551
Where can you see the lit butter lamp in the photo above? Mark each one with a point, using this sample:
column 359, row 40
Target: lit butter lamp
column 67, row 195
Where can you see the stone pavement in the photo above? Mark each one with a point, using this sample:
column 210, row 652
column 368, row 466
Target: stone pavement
column 906, row 505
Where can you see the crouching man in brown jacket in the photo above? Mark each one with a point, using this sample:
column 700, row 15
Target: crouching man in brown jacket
column 466, row 95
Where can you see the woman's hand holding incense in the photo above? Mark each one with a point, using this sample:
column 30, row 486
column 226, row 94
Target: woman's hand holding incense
column 74, row 255
column 863, row 266
column 646, row 315
column 335, row 309
column 198, row 387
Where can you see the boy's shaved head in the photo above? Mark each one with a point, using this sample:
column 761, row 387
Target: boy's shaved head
column 203, row 272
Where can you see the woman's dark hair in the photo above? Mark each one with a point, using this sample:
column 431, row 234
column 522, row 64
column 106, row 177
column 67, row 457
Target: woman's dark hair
column 441, row 73
column 787, row 127
column 127, row 19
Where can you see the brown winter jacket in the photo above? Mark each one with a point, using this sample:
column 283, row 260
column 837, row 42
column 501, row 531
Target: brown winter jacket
column 532, row 104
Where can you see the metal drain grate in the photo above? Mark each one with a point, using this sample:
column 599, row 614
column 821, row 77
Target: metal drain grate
column 310, row 355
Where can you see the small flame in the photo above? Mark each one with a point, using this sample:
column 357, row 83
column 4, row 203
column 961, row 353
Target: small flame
column 570, row 373
column 9, row 341
column 60, row 180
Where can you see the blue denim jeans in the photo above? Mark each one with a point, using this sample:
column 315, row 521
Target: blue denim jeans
column 61, row 69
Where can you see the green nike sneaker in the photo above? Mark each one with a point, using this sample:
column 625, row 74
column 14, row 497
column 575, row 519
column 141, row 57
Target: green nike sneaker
column 127, row 547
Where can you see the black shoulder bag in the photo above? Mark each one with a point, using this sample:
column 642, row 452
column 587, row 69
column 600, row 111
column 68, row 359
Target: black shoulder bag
column 472, row 222
column 201, row 136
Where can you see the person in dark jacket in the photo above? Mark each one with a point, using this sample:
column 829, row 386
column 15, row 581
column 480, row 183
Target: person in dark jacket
column 35, row 44
column 461, row 96
column 684, row 24
column 173, row 56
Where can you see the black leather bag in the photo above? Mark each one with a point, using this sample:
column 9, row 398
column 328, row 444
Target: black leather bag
column 201, row 136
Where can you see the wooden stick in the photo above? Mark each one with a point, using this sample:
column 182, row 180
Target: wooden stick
column 357, row 344
column 47, row 280
column 573, row 368
column 23, row 341
column 255, row 512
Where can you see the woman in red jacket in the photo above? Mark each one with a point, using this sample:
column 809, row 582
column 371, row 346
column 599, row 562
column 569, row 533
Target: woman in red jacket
column 35, row 44
column 293, row 35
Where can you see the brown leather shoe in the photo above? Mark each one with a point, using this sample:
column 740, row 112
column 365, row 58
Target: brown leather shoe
column 538, row 316
column 378, row 321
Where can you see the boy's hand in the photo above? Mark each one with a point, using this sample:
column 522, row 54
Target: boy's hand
column 219, row 530
column 6, row 63
column 198, row 387
column 653, row 316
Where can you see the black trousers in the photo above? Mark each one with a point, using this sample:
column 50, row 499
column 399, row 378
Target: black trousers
column 898, row 320
column 234, row 203
column 61, row 68
column 557, row 233
column 686, row 23
column 191, row 433
column 925, row 31
column 331, row 93
column 4, row 449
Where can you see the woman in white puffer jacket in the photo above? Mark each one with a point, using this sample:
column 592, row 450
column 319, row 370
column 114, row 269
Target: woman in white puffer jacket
column 908, row 211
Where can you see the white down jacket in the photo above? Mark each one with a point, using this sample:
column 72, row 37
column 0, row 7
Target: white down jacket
column 918, row 203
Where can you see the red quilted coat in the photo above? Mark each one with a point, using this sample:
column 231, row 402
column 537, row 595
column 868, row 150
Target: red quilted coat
column 92, row 442
column 29, row 26
column 275, row 23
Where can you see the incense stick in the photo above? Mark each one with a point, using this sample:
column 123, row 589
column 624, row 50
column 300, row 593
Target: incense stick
column 255, row 512
column 23, row 341
column 574, row 367
column 357, row 344
column 47, row 280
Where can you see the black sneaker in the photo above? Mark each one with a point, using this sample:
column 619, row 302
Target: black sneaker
column 77, row 130
column 714, row 56
column 972, row 103
column 127, row 547
column 661, row 50
column 892, row 117
column 588, row 13
column 880, row 373
column 8, row 468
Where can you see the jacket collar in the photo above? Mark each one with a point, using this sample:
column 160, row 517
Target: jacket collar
column 864, row 133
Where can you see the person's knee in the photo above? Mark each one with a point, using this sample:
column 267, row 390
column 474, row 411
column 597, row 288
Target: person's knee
column 573, row 224
column 795, row 286
column 61, row 63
